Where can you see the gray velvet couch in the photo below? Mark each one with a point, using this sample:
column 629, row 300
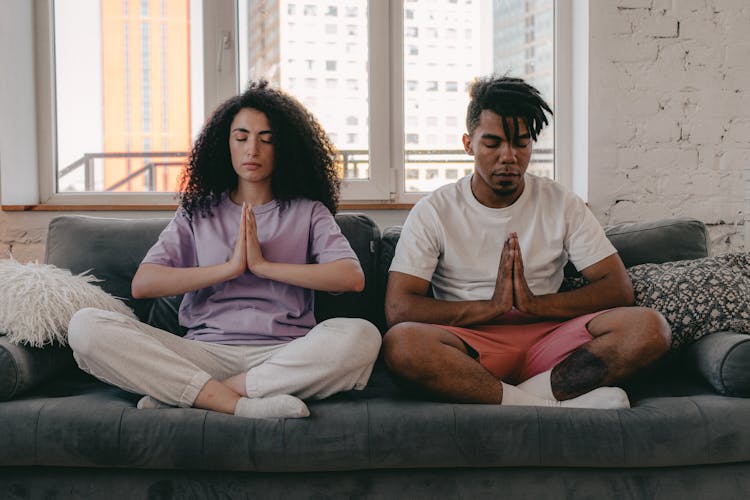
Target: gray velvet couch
column 66, row 435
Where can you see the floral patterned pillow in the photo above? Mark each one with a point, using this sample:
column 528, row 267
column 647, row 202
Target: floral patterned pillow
column 697, row 297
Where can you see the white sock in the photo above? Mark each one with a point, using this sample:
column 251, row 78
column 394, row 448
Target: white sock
column 604, row 398
column 281, row 406
column 539, row 386
column 149, row 403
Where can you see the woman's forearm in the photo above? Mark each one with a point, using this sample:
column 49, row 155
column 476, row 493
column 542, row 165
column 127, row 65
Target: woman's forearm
column 344, row 275
column 153, row 280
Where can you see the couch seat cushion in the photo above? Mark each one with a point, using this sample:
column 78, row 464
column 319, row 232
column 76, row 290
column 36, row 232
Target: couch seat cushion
column 352, row 431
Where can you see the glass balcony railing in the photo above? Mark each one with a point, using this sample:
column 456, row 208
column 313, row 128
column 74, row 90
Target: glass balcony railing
column 424, row 170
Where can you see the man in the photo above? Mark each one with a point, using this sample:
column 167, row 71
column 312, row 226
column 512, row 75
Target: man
column 492, row 248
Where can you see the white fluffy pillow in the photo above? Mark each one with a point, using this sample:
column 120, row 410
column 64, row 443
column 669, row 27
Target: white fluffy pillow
column 38, row 300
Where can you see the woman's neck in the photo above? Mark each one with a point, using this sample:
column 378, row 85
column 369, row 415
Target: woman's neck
column 252, row 194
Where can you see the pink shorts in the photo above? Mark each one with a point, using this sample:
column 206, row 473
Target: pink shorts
column 520, row 346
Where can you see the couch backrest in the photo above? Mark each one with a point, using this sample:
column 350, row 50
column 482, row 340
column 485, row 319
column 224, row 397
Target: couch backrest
column 112, row 249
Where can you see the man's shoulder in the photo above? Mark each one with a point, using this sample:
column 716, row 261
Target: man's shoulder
column 447, row 195
column 548, row 189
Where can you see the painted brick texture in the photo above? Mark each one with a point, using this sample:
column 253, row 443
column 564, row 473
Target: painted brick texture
column 670, row 113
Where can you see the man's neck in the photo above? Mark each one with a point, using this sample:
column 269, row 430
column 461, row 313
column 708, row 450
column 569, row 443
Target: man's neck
column 491, row 198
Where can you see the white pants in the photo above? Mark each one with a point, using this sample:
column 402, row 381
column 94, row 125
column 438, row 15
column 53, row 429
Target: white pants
column 336, row 355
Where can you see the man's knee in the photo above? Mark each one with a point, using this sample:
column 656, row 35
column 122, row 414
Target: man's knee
column 402, row 345
column 656, row 331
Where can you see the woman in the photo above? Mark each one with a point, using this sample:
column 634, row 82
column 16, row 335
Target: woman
column 252, row 239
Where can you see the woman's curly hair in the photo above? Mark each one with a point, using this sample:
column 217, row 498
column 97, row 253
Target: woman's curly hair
column 304, row 158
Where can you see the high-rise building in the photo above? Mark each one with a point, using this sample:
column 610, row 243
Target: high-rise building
column 146, row 92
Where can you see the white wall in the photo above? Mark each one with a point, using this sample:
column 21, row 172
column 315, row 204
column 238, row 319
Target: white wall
column 670, row 112
column 669, row 120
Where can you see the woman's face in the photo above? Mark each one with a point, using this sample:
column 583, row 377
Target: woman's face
column 251, row 146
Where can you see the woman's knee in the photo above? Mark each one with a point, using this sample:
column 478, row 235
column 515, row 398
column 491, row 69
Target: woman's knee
column 83, row 333
column 79, row 329
column 357, row 341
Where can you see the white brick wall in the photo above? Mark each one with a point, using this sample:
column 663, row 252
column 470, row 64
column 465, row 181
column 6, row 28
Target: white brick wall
column 670, row 113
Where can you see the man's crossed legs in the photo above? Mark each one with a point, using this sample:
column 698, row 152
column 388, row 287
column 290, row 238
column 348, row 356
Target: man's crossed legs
column 622, row 342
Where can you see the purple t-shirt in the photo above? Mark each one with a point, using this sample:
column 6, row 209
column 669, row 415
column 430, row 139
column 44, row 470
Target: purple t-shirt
column 249, row 309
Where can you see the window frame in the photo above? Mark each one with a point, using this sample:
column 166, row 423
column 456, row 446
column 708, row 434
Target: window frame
column 36, row 143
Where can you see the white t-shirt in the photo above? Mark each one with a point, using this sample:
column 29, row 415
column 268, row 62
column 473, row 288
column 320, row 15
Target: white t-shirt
column 455, row 242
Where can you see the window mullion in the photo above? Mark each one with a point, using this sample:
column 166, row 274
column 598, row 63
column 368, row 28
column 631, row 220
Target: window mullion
column 220, row 54
column 378, row 186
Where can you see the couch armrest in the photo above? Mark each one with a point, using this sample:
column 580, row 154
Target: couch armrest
column 723, row 358
column 23, row 367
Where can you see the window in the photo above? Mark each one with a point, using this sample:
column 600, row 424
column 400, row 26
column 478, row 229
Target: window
column 494, row 25
column 145, row 132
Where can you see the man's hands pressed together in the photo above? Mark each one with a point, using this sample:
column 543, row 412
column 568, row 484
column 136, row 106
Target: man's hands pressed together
column 511, row 289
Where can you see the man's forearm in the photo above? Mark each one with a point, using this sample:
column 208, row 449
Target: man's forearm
column 599, row 295
column 441, row 312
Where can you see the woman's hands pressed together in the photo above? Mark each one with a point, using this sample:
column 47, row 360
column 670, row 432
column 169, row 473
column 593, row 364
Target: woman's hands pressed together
column 238, row 261
column 253, row 254
column 247, row 254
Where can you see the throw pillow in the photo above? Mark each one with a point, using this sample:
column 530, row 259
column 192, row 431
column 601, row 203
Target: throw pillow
column 38, row 300
column 697, row 297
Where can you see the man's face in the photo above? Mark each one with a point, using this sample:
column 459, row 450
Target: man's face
column 500, row 162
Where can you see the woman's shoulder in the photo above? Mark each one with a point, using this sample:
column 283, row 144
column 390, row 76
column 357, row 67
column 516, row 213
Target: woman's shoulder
column 306, row 205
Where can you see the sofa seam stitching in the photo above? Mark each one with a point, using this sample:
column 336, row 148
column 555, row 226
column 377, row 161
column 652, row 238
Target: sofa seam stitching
column 8, row 355
column 539, row 437
column 456, row 441
column 655, row 228
column 203, row 438
column 36, row 433
column 283, row 444
column 119, row 434
column 723, row 362
column 705, row 428
column 622, row 438
column 369, row 434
